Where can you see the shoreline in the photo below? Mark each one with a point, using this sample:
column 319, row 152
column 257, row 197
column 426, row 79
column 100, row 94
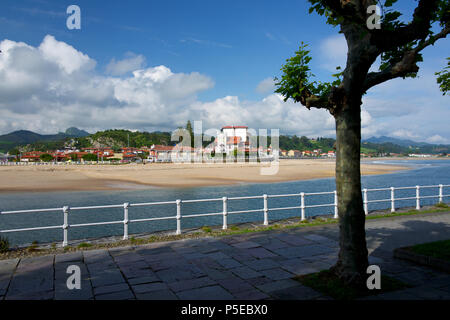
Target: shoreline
column 137, row 176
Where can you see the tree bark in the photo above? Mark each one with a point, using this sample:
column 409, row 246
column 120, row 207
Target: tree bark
column 353, row 255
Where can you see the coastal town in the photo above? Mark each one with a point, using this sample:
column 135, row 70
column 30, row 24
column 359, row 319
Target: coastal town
column 231, row 142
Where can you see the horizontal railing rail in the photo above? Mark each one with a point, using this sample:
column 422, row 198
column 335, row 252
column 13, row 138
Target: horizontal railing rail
column 225, row 212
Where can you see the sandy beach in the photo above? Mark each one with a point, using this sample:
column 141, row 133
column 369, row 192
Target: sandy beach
column 117, row 177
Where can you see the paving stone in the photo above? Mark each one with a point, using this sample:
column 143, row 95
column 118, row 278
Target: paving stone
column 63, row 293
column 259, row 281
column 277, row 274
column 275, row 244
column 229, row 263
column 317, row 238
column 297, row 266
column 121, row 295
column 205, row 293
column 145, row 279
column 96, row 256
column 157, row 295
column 251, row 295
column 245, row 273
column 107, row 277
column 191, row 284
column 7, row 267
column 261, row 253
column 30, row 283
column 148, row 287
column 38, row 295
column 298, row 292
column 277, row 285
column 246, row 245
column 235, row 285
column 69, row 257
column 294, row 240
column 217, row 274
column 262, row 264
column 179, row 273
column 3, row 286
column 217, row 256
column 111, row 288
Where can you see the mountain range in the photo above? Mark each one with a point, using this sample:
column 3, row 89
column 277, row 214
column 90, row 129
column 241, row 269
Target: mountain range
column 23, row 137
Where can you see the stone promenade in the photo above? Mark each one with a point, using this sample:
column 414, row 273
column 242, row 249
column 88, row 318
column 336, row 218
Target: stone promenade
column 251, row 266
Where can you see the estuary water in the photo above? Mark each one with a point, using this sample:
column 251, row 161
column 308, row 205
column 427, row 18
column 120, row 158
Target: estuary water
column 423, row 172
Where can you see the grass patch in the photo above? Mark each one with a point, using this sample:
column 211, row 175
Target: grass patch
column 4, row 244
column 438, row 249
column 84, row 245
column 328, row 283
column 206, row 229
column 442, row 205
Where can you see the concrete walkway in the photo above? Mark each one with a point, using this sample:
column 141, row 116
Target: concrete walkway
column 251, row 266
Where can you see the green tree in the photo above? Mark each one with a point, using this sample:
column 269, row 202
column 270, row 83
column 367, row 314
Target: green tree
column 399, row 45
column 444, row 78
column 191, row 132
column 46, row 157
column 90, row 157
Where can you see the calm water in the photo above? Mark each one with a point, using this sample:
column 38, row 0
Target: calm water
column 424, row 172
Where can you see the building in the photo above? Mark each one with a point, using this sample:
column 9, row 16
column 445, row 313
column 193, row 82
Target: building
column 232, row 138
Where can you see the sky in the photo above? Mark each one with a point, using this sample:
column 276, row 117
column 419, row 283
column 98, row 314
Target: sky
column 152, row 65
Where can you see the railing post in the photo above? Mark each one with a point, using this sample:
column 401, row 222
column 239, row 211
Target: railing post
column 66, row 226
column 126, row 205
column 178, row 216
column 365, row 201
column 266, row 210
column 441, row 187
column 225, row 213
column 417, row 197
column 302, row 205
column 335, row 205
column 392, row 199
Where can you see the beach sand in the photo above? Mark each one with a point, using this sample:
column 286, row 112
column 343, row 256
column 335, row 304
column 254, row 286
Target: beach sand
column 119, row 177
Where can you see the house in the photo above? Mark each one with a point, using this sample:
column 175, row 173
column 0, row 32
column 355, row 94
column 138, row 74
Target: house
column 232, row 138
column 160, row 152
column 294, row 153
column 32, row 156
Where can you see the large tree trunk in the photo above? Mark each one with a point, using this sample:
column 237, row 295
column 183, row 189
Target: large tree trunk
column 353, row 256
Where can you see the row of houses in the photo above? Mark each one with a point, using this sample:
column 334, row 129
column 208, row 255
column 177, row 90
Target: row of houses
column 307, row 153
column 230, row 140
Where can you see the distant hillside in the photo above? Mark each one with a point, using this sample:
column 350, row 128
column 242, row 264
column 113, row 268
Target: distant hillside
column 400, row 142
column 24, row 137
column 118, row 138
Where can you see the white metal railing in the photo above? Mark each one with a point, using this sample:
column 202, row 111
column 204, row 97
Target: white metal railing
column 225, row 212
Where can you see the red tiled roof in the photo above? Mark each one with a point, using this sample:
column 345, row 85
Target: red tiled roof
column 235, row 127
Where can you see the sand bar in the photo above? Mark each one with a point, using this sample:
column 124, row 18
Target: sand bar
column 119, row 177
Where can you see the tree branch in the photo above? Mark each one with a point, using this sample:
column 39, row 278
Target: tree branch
column 417, row 29
column 406, row 65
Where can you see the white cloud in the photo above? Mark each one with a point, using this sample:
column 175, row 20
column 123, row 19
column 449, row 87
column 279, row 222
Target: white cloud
column 64, row 55
column 54, row 86
column 121, row 67
column 266, row 86
column 437, row 139
column 333, row 52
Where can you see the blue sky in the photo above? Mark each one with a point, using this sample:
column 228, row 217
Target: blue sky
column 222, row 55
